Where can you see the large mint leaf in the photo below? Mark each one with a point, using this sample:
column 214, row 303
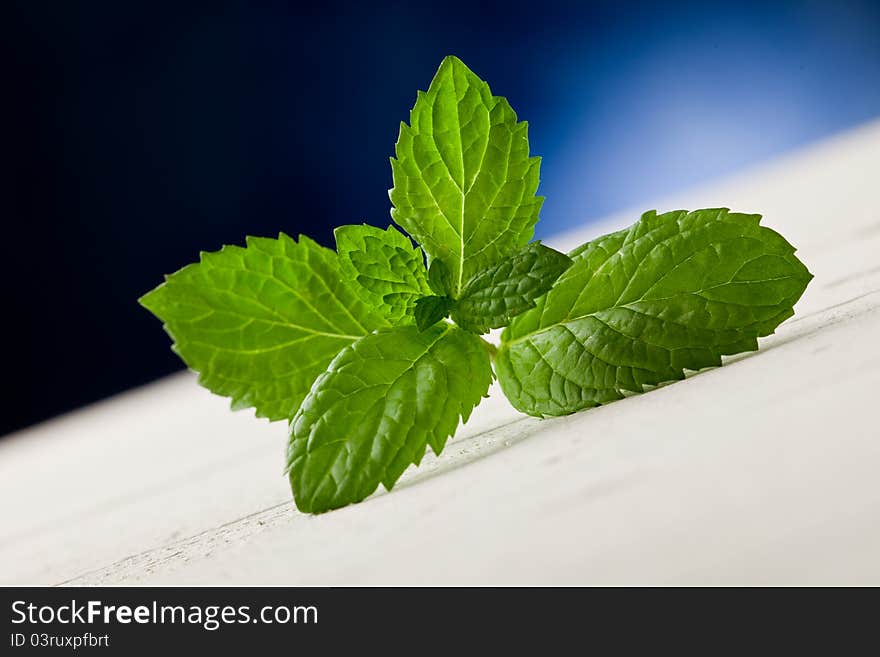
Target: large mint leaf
column 638, row 307
column 260, row 323
column 464, row 184
column 388, row 270
column 381, row 401
column 493, row 297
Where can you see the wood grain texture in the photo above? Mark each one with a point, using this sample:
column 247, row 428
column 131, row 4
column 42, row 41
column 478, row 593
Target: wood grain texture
column 763, row 471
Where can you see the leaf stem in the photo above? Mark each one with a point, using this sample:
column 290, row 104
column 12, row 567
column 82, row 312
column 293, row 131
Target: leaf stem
column 491, row 348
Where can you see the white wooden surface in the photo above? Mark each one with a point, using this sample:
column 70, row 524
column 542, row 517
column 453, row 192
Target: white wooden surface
column 766, row 470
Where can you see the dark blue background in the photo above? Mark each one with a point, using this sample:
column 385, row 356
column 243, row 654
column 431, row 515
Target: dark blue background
column 141, row 133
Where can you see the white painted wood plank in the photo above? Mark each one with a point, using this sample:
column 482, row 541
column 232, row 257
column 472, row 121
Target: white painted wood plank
column 732, row 476
column 761, row 471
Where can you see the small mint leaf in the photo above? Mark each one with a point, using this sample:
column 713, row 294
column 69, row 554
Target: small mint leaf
column 638, row 307
column 380, row 403
column 430, row 310
column 495, row 296
column 440, row 278
column 389, row 272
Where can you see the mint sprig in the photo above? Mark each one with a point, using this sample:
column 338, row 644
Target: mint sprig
column 373, row 357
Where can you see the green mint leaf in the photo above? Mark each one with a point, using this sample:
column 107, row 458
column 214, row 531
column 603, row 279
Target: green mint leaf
column 430, row 310
column 381, row 401
column 464, row 183
column 495, row 296
column 260, row 323
column 440, row 278
column 638, row 307
column 388, row 269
